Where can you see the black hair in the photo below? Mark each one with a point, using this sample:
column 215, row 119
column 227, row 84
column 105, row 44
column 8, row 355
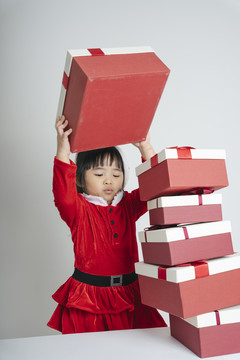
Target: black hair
column 90, row 159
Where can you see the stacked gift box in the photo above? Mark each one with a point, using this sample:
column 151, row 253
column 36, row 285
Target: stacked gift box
column 189, row 268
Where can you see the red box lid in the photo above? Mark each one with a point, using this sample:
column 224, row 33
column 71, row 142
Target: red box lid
column 109, row 96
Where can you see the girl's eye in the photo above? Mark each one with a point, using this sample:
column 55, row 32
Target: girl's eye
column 98, row 174
column 116, row 175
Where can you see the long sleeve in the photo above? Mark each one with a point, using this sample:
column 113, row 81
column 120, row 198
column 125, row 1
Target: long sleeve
column 65, row 193
column 139, row 207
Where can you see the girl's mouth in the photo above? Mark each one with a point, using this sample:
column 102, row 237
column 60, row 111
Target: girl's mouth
column 108, row 191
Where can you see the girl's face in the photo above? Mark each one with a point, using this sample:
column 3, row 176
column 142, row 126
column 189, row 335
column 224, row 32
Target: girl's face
column 105, row 181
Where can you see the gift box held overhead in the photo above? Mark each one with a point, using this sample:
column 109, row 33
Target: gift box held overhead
column 211, row 334
column 182, row 244
column 191, row 289
column 178, row 170
column 168, row 210
column 109, row 96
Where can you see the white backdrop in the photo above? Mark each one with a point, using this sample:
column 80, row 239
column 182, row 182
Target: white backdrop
column 197, row 39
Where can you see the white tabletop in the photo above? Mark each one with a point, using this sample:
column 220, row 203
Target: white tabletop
column 138, row 344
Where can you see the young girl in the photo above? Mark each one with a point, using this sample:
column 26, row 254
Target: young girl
column 103, row 292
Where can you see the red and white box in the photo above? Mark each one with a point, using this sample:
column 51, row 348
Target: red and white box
column 185, row 209
column 177, row 170
column 109, row 96
column 211, row 334
column 191, row 289
column 183, row 244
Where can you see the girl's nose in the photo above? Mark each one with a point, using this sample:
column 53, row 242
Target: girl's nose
column 108, row 180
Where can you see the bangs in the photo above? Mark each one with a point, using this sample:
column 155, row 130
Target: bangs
column 105, row 155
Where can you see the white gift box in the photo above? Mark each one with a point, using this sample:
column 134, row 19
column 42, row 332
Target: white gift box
column 177, row 170
column 181, row 244
column 168, row 210
column 186, row 272
column 210, row 334
column 227, row 315
column 172, row 153
column 191, row 289
column 184, row 200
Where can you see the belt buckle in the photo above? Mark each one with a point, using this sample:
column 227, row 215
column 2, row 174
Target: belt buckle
column 116, row 280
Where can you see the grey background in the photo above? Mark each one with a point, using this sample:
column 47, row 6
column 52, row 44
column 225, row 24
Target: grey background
column 197, row 39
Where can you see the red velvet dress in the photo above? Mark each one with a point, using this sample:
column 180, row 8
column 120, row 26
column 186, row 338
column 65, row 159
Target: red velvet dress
column 99, row 251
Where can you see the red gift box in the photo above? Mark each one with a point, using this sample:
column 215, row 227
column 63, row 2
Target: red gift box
column 178, row 170
column 212, row 334
column 185, row 209
column 109, row 96
column 182, row 244
column 190, row 290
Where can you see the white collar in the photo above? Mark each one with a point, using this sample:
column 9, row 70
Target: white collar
column 98, row 200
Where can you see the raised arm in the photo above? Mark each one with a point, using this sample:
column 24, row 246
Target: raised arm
column 147, row 151
column 145, row 148
column 63, row 145
column 64, row 172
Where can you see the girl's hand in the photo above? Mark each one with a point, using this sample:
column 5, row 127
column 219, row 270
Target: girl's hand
column 145, row 148
column 63, row 145
column 143, row 143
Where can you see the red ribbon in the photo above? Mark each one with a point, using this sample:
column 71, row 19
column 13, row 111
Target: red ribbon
column 154, row 160
column 199, row 192
column 96, row 52
column 200, row 267
column 65, row 80
column 184, row 152
column 217, row 317
column 185, row 232
column 162, row 273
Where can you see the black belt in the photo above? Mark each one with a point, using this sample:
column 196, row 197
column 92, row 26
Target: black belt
column 98, row 280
